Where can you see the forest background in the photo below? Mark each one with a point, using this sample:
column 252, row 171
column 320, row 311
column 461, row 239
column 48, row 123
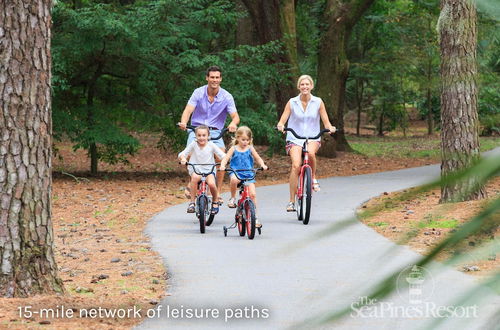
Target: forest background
column 130, row 66
column 122, row 72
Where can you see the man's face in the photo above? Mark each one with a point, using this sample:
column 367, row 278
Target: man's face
column 214, row 78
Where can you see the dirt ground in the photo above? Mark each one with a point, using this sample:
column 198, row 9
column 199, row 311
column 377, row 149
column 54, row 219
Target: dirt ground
column 103, row 256
column 422, row 223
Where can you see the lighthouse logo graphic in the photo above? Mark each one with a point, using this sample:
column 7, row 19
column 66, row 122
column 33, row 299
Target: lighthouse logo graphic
column 415, row 283
column 415, row 280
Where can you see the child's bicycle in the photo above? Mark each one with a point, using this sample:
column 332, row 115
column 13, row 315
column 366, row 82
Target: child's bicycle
column 303, row 196
column 245, row 217
column 203, row 201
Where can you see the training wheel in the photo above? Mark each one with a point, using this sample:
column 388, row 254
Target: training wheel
column 259, row 230
column 225, row 231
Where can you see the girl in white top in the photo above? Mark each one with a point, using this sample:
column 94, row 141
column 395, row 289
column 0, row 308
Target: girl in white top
column 202, row 151
column 303, row 114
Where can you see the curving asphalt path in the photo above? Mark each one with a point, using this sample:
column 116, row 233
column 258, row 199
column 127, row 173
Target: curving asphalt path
column 279, row 276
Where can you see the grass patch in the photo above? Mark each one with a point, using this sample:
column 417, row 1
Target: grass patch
column 412, row 147
column 379, row 224
column 451, row 223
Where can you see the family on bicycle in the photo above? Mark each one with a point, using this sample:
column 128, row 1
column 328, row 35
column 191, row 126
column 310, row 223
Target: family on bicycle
column 208, row 108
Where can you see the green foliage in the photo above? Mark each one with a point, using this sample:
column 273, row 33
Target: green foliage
column 489, row 65
column 423, row 107
column 112, row 144
column 132, row 66
column 387, row 62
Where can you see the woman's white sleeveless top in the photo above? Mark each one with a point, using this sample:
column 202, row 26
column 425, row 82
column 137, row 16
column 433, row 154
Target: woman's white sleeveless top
column 304, row 123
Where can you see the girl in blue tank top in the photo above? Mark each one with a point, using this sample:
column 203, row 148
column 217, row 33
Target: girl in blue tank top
column 241, row 156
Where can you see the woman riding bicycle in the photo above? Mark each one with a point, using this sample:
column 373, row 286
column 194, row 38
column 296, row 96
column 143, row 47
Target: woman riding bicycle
column 303, row 114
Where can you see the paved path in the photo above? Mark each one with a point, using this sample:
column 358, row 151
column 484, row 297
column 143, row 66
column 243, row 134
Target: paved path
column 269, row 276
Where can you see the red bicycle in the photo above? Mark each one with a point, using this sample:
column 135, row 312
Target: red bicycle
column 203, row 201
column 245, row 217
column 303, row 196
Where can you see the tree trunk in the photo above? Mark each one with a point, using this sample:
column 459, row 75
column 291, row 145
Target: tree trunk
column 333, row 65
column 430, row 119
column 381, row 119
column 90, row 117
column 273, row 20
column 459, row 118
column 430, row 115
column 27, row 262
column 359, row 102
column 245, row 30
column 90, row 122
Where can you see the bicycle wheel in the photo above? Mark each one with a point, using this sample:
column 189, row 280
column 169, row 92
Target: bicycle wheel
column 307, row 195
column 249, row 212
column 210, row 219
column 202, row 212
column 240, row 220
column 210, row 216
column 298, row 205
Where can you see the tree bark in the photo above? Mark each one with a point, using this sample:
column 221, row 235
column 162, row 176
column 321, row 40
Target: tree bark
column 359, row 102
column 273, row 20
column 430, row 115
column 27, row 264
column 459, row 117
column 333, row 65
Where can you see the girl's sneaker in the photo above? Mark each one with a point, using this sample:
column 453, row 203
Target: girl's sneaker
column 290, row 207
column 257, row 223
column 232, row 203
column 190, row 208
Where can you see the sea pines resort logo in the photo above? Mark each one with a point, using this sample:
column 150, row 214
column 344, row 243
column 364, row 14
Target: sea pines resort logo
column 416, row 286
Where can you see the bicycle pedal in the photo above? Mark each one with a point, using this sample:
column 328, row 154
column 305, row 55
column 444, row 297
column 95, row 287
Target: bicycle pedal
column 259, row 230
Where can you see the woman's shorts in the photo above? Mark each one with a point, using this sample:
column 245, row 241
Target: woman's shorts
column 290, row 144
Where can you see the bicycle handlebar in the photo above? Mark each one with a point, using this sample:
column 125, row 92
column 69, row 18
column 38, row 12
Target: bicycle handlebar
column 222, row 132
column 202, row 174
column 306, row 138
column 254, row 170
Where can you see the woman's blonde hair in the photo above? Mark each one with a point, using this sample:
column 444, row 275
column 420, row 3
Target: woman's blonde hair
column 242, row 130
column 305, row 76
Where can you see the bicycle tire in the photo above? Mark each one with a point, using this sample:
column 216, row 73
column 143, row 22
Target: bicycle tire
column 202, row 212
column 249, row 212
column 210, row 219
column 211, row 216
column 240, row 221
column 307, row 196
column 298, row 206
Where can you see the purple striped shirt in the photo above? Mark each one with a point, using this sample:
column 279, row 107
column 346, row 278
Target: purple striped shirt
column 211, row 114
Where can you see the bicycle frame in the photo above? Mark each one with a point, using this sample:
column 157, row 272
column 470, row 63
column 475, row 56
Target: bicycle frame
column 304, row 193
column 202, row 193
column 305, row 164
column 239, row 219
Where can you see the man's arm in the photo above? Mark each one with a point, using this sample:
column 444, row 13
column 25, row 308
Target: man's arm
column 235, row 120
column 186, row 114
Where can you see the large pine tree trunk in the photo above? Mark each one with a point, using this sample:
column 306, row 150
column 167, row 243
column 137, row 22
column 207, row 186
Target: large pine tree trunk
column 333, row 65
column 460, row 127
column 27, row 264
